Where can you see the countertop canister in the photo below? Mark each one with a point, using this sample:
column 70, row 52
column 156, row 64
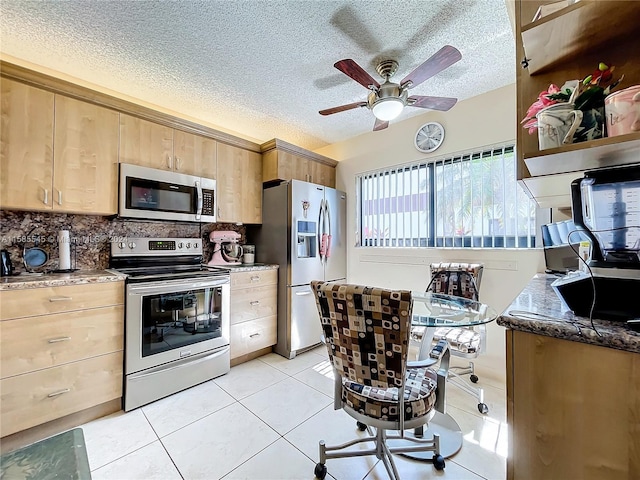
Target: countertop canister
column 622, row 111
column 64, row 250
column 249, row 255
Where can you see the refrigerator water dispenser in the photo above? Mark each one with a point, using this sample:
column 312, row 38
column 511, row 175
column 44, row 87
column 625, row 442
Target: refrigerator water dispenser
column 306, row 239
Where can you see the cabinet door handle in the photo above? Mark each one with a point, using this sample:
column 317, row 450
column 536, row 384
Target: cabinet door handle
column 178, row 163
column 169, row 162
column 60, row 299
column 45, row 200
column 59, row 339
column 59, row 392
column 254, row 303
column 59, row 197
column 255, row 278
column 300, row 294
column 254, row 335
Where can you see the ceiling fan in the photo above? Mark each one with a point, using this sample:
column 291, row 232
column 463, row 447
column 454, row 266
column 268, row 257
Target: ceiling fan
column 386, row 101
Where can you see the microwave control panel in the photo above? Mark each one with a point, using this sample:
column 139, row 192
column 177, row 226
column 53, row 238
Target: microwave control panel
column 207, row 202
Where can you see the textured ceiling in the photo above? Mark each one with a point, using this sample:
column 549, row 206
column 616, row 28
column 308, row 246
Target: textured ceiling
column 262, row 68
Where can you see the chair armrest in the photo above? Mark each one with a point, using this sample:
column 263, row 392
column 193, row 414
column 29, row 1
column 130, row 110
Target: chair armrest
column 427, row 362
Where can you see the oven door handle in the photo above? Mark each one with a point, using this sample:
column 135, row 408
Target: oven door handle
column 169, row 287
column 192, row 363
column 199, row 205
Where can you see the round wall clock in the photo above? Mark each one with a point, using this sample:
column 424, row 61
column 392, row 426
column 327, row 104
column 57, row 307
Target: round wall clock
column 429, row 137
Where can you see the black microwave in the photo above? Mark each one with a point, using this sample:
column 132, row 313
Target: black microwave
column 163, row 195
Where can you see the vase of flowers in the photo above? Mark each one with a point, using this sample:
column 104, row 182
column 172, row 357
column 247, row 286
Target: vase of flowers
column 550, row 96
column 587, row 96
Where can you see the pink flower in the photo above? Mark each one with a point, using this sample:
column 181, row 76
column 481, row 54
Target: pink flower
column 530, row 121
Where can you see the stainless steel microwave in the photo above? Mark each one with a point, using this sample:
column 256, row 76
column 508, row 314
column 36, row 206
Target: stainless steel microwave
column 163, row 195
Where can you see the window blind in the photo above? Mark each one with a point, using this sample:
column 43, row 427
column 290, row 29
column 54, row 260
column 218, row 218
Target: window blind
column 465, row 200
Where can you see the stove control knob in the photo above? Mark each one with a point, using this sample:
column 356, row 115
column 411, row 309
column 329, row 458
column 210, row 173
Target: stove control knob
column 122, row 245
column 195, row 245
column 180, row 245
column 188, row 245
column 132, row 245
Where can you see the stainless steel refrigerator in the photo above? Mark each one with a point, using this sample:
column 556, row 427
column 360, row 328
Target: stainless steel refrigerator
column 304, row 232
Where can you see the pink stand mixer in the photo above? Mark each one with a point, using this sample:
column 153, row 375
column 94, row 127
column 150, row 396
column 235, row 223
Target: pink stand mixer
column 226, row 249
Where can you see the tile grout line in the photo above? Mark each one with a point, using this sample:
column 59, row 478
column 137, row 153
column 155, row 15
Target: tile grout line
column 162, row 444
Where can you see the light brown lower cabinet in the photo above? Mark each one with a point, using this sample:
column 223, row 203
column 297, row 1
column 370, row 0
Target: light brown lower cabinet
column 573, row 410
column 38, row 397
column 248, row 337
column 61, row 352
column 50, row 340
column 253, row 312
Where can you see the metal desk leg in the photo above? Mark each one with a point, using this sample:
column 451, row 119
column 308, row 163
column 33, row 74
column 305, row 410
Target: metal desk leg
column 441, row 423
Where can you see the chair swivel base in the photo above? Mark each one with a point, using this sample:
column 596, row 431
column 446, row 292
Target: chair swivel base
column 450, row 437
column 382, row 450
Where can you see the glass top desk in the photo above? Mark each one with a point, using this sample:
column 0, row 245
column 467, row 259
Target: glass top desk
column 432, row 310
column 439, row 310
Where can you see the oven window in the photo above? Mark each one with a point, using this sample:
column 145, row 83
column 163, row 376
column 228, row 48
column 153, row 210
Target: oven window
column 152, row 195
column 176, row 320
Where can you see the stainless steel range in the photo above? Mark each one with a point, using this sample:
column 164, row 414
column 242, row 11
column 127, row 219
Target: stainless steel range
column 176, row 317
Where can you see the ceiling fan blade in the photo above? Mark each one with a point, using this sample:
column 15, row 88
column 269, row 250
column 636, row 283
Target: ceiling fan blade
column 443, row 58
column 380, row 125
column 342, row 108
column 355, row 71
column 434, row 103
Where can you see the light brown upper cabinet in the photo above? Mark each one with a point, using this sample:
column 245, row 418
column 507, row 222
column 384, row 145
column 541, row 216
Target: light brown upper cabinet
column 194, row 154
column 85, row 166
column 153, row 145
column 284, row 161
column 79, row 175
column 565, row 45
column 26, row 171
column 239, row 185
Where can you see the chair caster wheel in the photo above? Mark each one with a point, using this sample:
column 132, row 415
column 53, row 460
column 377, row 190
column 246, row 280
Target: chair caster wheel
column 482, row 408
column 320, row 471
column 473, row 378
column 361, row 426
column 438, row 462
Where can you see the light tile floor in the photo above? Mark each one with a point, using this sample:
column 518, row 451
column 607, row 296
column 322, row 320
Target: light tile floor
column 263, row 420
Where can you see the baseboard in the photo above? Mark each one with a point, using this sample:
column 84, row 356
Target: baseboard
column 39, row 432
column 250, row 356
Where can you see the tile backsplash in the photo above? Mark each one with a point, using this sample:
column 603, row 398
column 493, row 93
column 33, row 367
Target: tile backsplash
column 90, row 235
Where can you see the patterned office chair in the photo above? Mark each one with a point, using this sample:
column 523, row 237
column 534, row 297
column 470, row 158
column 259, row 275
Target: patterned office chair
column 461, row 280
column 366, row 330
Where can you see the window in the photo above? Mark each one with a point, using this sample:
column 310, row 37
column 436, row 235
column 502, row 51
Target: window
column 467, row 200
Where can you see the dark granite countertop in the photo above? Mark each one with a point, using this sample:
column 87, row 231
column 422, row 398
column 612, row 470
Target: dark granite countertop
column 246, row 267
column 539, row 310
column 26, row 280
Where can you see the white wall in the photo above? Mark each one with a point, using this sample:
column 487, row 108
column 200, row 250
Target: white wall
column 484, row 120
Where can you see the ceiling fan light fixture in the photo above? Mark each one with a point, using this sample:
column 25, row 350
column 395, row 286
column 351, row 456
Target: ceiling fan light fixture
column 386, row 109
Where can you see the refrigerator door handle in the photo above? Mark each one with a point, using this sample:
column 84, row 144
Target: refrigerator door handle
column 321, row 232
column 327, row 214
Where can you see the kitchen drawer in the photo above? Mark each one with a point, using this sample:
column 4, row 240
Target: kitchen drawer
column 250, row 336
column 35, row 398
column 252, row 303
column 34, row 343
column 41, row 301
column 255, row 277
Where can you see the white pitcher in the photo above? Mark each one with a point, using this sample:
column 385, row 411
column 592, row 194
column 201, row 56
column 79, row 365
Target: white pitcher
column 557, row 124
